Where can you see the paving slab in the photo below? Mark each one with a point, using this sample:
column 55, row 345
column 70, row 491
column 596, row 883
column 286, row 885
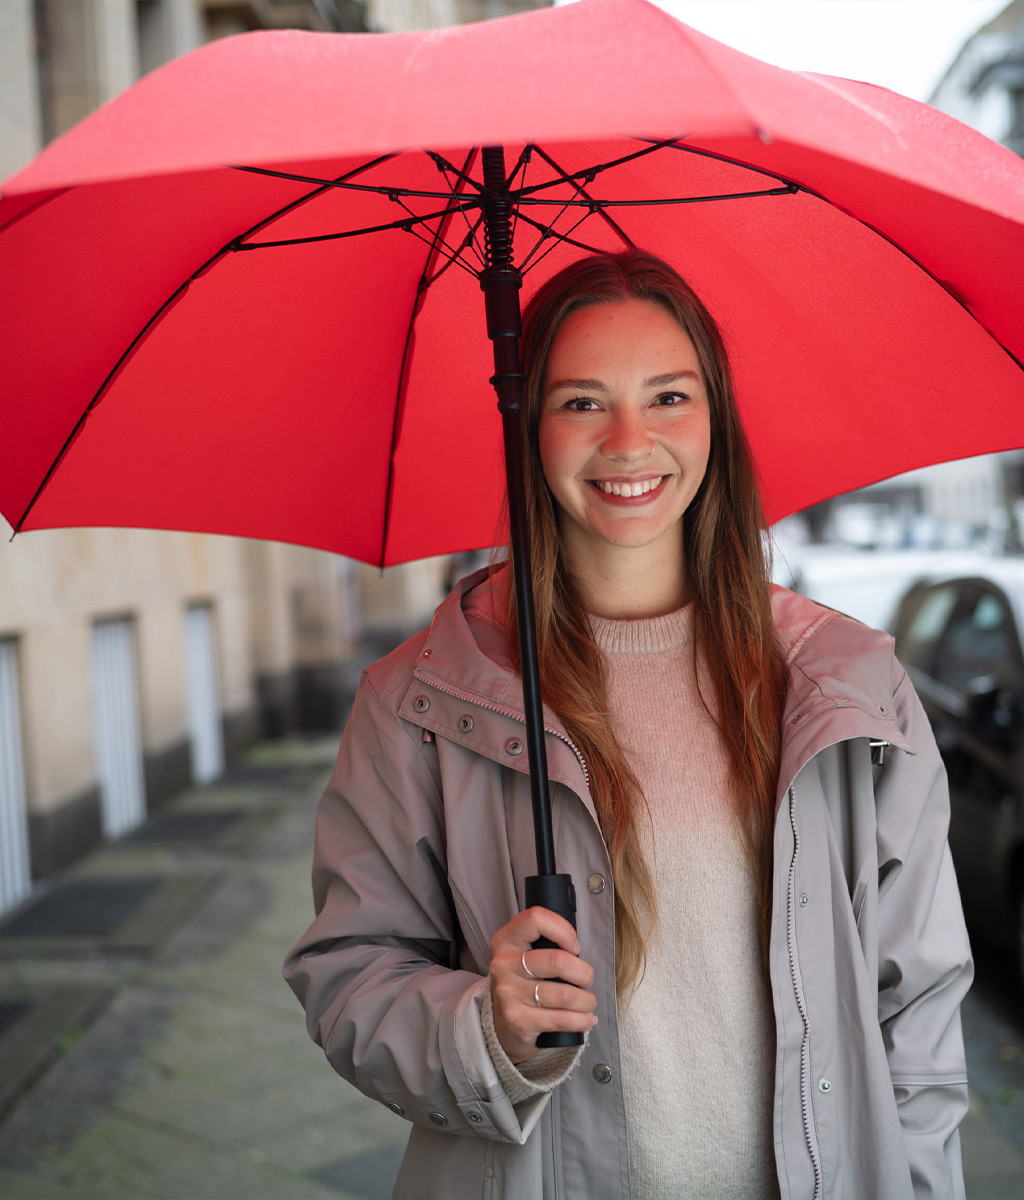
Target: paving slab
column 46, row 1022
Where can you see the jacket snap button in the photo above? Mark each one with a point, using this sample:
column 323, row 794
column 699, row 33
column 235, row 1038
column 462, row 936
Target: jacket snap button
column 514, row 746
column 474, row 1116
column 395, row 1107
column 466, row 724
column 439, row 1118
column 596, row 883
column 427, row 653
column 802, row 901
column 603, row 1073
column 882, row 709
column 421, row 704
column 824, row 1085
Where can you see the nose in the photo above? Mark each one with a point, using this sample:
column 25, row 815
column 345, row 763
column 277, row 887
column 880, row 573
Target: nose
column 627, row 438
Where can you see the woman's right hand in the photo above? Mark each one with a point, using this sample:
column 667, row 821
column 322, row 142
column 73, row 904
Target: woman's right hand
column 564, row 1005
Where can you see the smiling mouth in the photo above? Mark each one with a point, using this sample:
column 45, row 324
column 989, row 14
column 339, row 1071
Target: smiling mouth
column 640, row 488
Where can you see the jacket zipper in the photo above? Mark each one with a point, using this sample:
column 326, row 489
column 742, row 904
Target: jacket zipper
column 512, row 715
column 794, row 969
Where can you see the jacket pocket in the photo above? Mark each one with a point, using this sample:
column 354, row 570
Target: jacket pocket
column 479, row 946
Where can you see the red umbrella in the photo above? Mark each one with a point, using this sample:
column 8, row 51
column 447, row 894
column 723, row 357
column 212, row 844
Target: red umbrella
column 312, row 393
column 243, row 297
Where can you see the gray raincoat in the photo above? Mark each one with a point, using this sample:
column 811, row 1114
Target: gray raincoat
column 424, row 836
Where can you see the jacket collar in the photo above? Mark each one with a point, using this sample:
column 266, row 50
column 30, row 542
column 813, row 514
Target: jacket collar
column 841, row 673
column 464, row 657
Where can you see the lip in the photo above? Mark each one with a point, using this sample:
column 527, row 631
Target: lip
column 628, row 478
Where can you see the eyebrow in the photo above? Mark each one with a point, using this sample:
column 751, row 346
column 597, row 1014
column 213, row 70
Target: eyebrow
column 595, row 385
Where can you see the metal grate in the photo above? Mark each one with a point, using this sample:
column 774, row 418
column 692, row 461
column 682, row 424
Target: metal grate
column 272, row 773
column 186, row 827
column 83, row 908
column 11, row 1013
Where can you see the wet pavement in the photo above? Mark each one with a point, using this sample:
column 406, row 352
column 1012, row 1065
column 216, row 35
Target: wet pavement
column 165, row 1057
column 184, row 1068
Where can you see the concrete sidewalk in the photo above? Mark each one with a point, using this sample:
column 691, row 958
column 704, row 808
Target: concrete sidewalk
column 179, row 1066
column 198, row 1078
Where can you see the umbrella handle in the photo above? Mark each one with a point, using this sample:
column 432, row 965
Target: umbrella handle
column 554, row 892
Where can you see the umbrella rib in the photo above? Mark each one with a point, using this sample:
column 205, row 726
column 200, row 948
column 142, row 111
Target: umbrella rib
column 453, row 257
column 444, row 167
column 549, row 231
column 789, row 189
column 947, row 288
column 102, row 389
column 342, row 185
column 588, row 174
column 546, row 232
column 802, row 187
column 562, row 237
column 525, row 156
column 583, row 192
column 33, row 207
column 405, row 223
column 521, row 163
column 319, row 190
column 528, row 195
column 468, row 240
column 725, row 158
column 456, row 254
column 421, row 292
column 551, row 226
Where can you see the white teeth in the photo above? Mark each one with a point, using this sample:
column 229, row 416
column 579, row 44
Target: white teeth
column 629, row 490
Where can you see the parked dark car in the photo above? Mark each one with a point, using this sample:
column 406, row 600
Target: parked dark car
column 960, row 640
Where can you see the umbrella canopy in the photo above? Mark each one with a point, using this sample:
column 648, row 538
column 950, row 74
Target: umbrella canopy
column 242, row 297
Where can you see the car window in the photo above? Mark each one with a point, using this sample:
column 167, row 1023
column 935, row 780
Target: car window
column 921, row 631
column 980, row 641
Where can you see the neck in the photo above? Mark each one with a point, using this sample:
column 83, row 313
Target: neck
column 626, row 583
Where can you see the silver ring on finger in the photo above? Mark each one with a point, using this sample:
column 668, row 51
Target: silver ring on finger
column 536, row 995
column 526, row 968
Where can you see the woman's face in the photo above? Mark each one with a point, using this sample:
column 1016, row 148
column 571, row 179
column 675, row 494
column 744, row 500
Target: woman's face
column 625, row 426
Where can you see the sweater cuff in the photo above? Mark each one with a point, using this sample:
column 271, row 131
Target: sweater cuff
column 536, row 1075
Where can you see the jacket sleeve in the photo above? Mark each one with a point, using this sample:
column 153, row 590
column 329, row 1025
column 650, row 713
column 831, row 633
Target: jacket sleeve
column 377, row 970
column 925, row 965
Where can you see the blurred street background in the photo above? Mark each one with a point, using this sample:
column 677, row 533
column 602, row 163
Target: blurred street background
column 170, row 703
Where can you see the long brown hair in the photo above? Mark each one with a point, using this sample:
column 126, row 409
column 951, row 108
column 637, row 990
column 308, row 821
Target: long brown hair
column 728, row 576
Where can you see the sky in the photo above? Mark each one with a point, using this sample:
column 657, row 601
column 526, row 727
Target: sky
column 905, row 45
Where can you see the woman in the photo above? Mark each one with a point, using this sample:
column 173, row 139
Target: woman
column 770, row 954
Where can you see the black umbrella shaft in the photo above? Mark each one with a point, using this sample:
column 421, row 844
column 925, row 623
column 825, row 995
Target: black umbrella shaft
column 501, row 282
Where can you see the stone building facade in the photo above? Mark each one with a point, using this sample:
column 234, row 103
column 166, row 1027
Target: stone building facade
column 135, row 662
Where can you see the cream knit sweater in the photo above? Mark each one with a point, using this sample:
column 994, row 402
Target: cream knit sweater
column 696, row 1037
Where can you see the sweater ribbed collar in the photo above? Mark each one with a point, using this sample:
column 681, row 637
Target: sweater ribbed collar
column 647, row 635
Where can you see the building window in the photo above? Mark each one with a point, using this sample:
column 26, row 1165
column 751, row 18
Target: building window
column 15, row 873
column 116, row 726
column 202, row 689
